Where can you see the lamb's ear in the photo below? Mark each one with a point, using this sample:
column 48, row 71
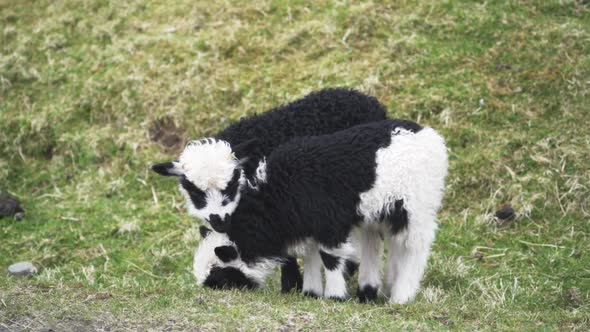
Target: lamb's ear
column 245, row 149
column 171, row 168
column 226, row 253
column 220, row 225
column 204, row 231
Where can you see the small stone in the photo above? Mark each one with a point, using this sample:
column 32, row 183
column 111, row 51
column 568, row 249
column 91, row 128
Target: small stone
column 22, row 269
column 19, row 216
column 505, row 213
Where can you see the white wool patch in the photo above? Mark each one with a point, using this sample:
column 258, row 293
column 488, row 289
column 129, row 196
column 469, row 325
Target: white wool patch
column 208, row 163
column 259, row 175
column 261, row 171
column 413, row 168
column 302, row 247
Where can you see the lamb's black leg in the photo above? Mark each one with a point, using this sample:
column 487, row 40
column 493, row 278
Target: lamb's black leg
column 290, row 275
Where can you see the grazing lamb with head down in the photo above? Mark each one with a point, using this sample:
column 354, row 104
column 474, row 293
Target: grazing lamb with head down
column 211, row 271
column 212, row 172
column 383, row 178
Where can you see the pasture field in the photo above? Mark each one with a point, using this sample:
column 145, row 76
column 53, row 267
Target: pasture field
column 93, row 92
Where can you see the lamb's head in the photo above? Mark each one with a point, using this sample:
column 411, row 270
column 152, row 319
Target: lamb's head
column 211, row 177
column 217, row 264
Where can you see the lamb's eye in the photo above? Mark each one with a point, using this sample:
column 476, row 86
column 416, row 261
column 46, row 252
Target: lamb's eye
column 197, row 196
column 225, row 201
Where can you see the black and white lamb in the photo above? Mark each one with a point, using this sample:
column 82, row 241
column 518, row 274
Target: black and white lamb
column 212, row 171
column 208, row 270
column 316, row 194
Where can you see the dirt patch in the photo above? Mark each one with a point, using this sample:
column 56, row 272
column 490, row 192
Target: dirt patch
column 574, row 297
column 105, row 321
column 166, row 132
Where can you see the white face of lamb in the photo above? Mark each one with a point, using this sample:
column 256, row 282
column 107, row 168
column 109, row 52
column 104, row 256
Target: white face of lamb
column 215, row 202
column 217, row 264
column 205, row 258
column 210, row 178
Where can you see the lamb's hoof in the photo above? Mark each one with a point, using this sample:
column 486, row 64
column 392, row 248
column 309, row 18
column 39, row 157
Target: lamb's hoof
column 367, row 294
column 400, row 298
column 337, row 298
column 311, row 294
column 289, row 288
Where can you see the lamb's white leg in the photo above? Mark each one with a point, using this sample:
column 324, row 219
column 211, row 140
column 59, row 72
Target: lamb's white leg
column 371, row 248
column 335, row 267
column 312, row 272
column 408, row 256
column 388, row 276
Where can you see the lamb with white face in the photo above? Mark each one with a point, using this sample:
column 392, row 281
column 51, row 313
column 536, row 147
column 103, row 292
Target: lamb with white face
column 210, row 178
column 217, row 264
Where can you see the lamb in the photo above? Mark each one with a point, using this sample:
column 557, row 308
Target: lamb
column 316, row 194
column 209, row 170
column 208, row 273
column 213, row 171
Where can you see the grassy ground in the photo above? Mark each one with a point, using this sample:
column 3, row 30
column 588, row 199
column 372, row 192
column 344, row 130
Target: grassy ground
column 92, row 93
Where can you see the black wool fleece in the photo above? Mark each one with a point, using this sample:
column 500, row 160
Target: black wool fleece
column 321, row 112
column 313, row 190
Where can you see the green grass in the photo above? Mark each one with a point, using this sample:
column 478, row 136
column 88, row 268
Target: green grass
column 85, row 84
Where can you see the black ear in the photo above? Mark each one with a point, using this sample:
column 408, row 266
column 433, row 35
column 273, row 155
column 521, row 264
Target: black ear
column 226, row 253
column 220, row 225
column 204, row 231
column 246, row 149
column 171, row 168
